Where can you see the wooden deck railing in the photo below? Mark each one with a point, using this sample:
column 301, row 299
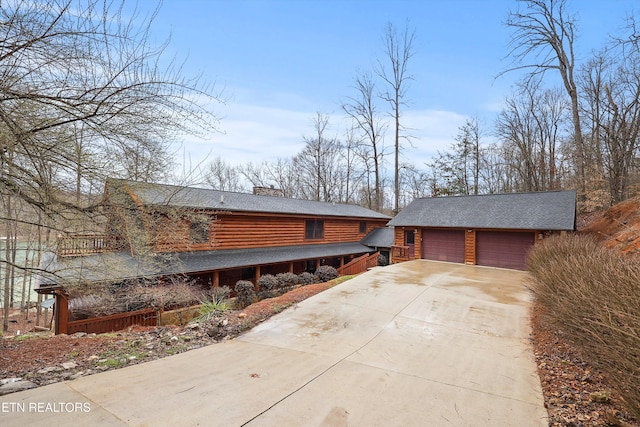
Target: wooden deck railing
column 400, row 253
column 359, row 265
column 115, row 322
column 84, row 244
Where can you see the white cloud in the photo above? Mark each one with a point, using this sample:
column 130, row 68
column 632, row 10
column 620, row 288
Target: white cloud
column 251, row 134
column 257, row 133
column 433, row 130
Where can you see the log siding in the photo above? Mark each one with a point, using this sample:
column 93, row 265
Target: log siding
column 245, row 231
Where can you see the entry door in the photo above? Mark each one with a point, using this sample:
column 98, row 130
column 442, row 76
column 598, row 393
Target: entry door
column 410, row 241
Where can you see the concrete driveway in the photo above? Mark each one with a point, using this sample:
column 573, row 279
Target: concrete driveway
column 414, row 344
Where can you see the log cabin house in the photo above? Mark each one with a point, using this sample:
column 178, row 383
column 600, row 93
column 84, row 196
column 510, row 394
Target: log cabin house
column 494, row 230
column 214, row 238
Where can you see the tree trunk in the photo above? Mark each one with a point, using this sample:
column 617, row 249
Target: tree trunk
column 7, row 271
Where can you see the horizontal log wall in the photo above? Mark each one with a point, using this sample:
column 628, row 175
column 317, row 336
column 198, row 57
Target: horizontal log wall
column 243, row 231
column 175, row 235
column 172, row 234
column 240, row 231
column 398, row 236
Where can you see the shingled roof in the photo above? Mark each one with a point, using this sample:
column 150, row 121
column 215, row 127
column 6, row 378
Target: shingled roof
column 379, row 238
column 120, row 266
column 553, row 210
column 200, row 198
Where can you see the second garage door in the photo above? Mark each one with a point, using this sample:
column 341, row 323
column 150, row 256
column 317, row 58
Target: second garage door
column 503, row 249
column 443, row 245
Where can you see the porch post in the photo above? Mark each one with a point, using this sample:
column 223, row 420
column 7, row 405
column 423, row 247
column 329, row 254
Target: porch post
column 216, row 279
column 257, row 278
column 38, row 309
column 61, row 312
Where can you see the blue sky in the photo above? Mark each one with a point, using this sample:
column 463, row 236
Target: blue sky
column 281, row 61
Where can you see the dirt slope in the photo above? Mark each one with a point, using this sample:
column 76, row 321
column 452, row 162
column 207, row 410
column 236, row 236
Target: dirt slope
column 618, row 227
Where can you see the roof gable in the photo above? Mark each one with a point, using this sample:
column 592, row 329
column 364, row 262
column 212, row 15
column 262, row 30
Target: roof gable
column 379, row 238
column 149, row 194
column 553, row 210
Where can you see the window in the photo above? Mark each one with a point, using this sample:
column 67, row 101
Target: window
column 314, row 229
column 409, row 238
column 199, row 230
column 363, row 226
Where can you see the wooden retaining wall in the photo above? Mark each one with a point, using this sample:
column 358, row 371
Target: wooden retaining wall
column 115, row 322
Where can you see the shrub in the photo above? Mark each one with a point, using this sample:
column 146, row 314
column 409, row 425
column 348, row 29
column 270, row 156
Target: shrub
column 324, row 273
column 306, row 278
column 220, row 293
column 268, row 286
column 179, row 292
column 382, row 260
column 217, row 305
column 245, row 294
column 287, row 281
column 592, row 295
column 95, row 301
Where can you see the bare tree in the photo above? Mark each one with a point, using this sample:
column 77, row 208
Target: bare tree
column 317, row 163
column 394, row 72
column 255, row 173
column 530, row 129
column 363, row 110
column 496, row 171
column 353, row 173
column 545, row 33
column 74, row 72
column 282, row 175
column 415, row 183
column 141, row 159
column 612, row 106
column 82, row 71
column 220, row 175
column 278, row 174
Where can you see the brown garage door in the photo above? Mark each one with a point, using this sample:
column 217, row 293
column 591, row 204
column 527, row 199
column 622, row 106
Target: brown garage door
column 443, row 245
column 503, row 249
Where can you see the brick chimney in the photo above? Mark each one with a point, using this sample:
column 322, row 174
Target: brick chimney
column 268, row 191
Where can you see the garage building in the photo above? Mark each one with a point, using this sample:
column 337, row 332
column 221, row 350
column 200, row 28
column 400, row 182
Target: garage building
column 494, row 230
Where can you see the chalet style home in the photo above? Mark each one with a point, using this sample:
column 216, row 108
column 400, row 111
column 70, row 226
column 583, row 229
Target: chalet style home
column 493, row 230
column 214, row 238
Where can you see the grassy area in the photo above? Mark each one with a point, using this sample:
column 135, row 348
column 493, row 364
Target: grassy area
column 26, row 336
column 341, row 279
column 592, row 295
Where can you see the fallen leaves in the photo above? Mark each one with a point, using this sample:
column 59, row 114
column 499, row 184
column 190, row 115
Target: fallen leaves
column 575, row 393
